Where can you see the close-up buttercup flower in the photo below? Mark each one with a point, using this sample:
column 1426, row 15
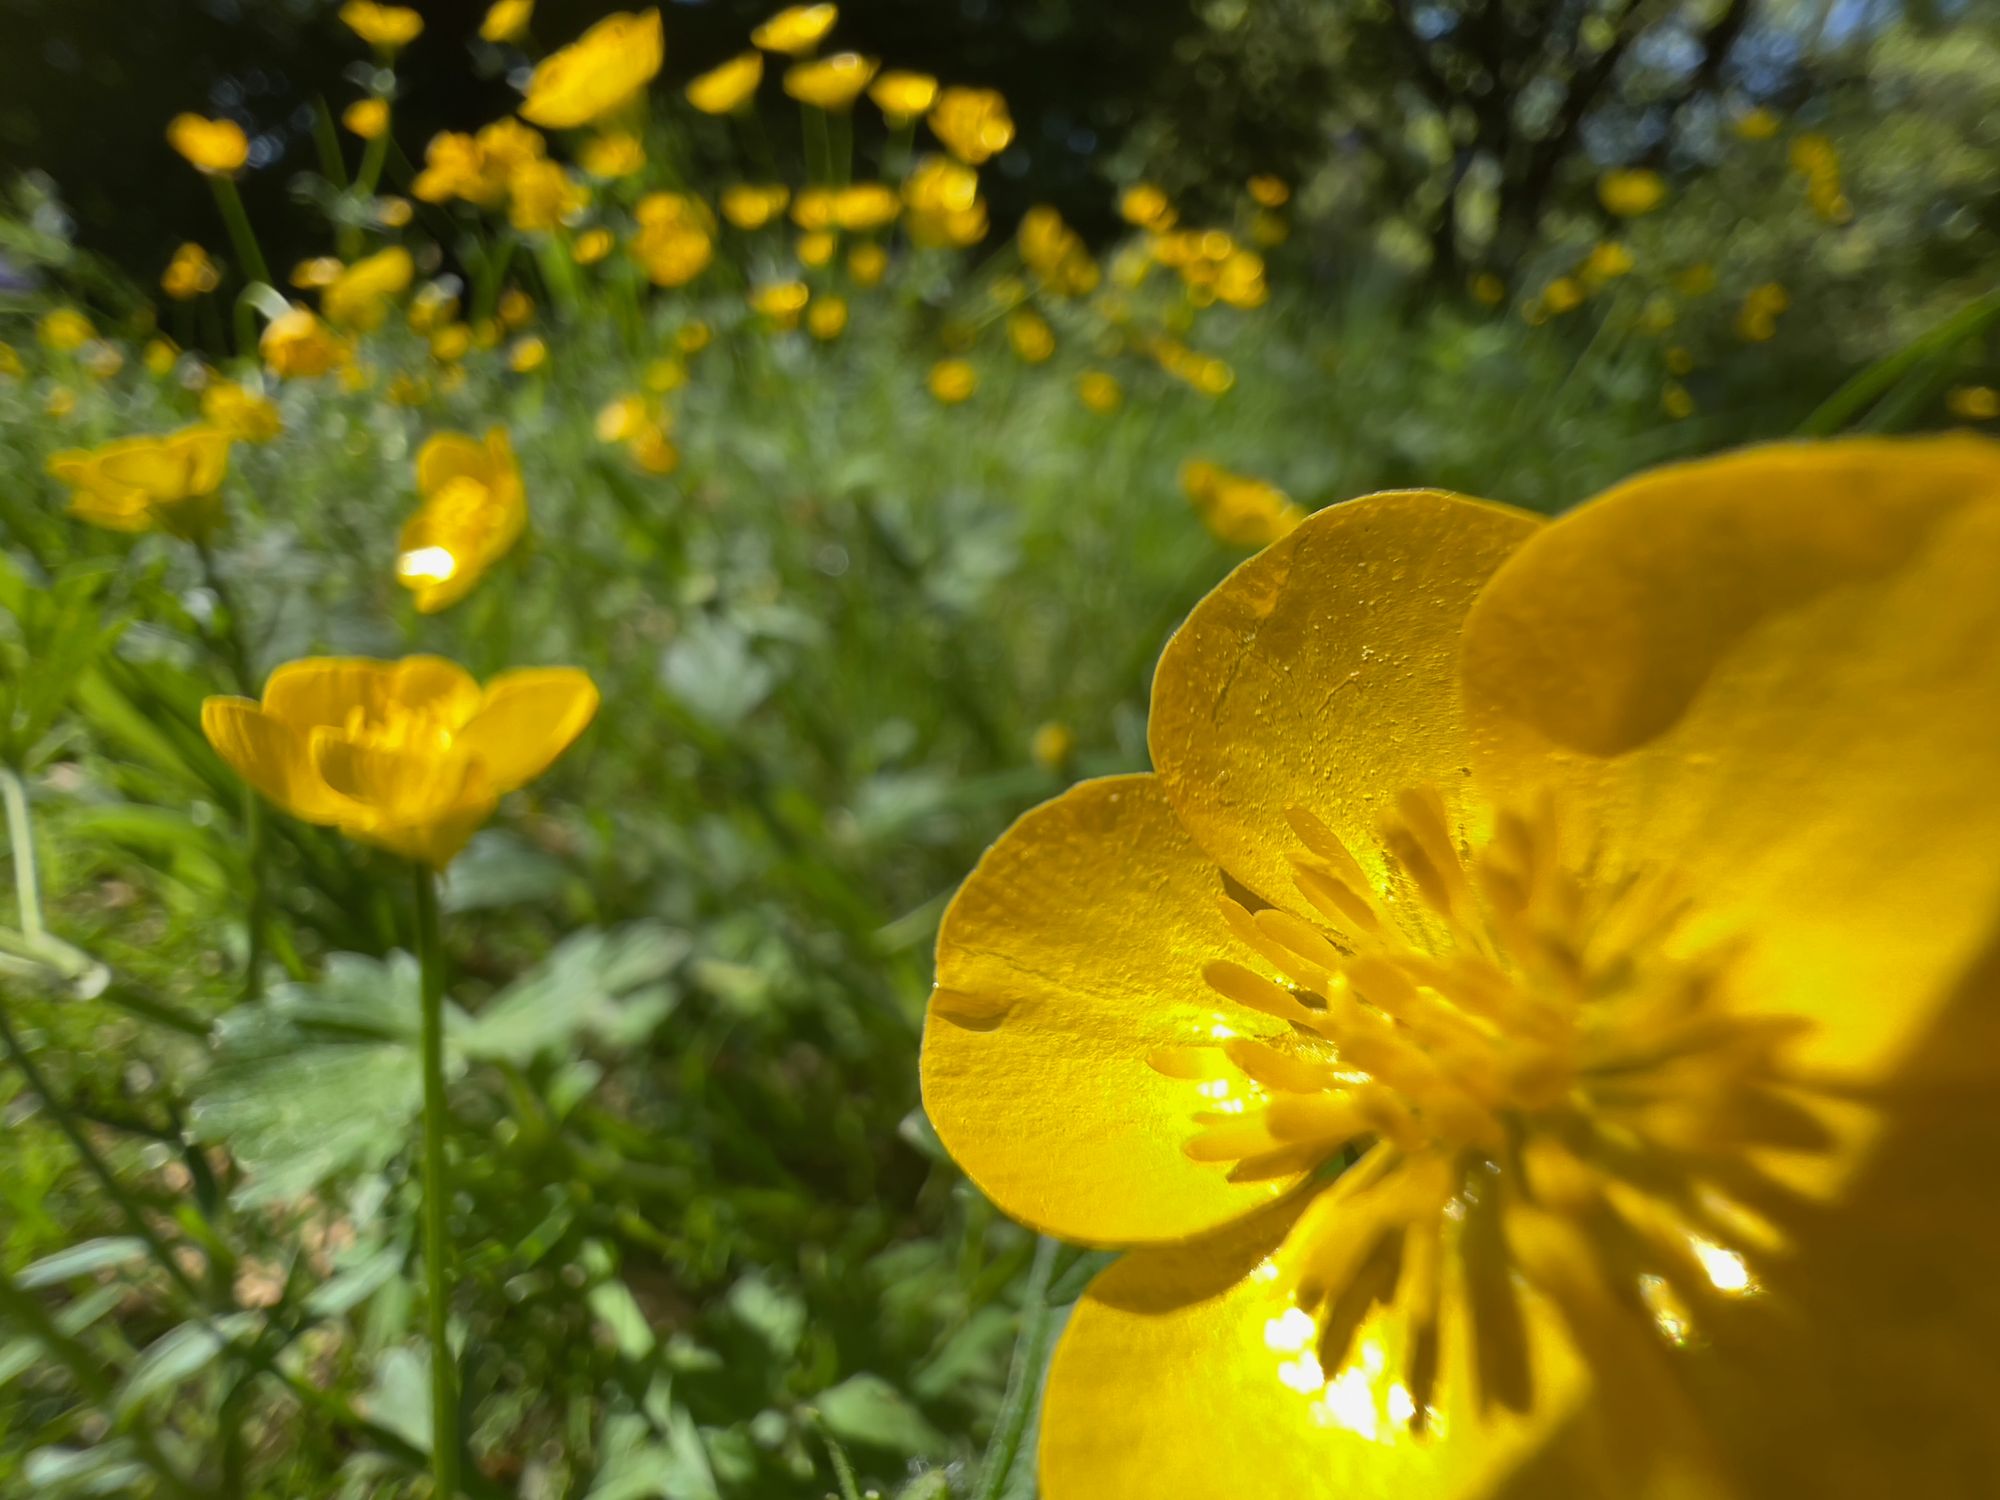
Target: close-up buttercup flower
column 1531, row 1028
column 359, row 297
column 506, row 20
column 410, row 755
column 830, row 82
column 189, row 274
column 296, row 344
column 728, row 86
column 598, row 74
column 795, row 30
column 903, row 96
column 474, row 510
column 973, row 124
column 387, row 28
column 167, row 483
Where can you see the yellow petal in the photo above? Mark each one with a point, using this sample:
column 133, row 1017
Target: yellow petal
column 272, row 756
column 527, row 719
column 1072, row 952
column 1187, row 1372
column 446, row 456
column 1321, row 674
column 328, row 689
column 422, row 806
column 1775, row 676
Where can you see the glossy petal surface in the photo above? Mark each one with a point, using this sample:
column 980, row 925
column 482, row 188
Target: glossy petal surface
column 330, row 689
column 1322, row 674
column 272, row 756
column 1073, row 951
column 526, row 719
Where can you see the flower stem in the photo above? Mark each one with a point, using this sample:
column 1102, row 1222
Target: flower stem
column 241, row 235
column 238, row 653
column 21, row 839
column 437, row 1191
column 1024, row 1379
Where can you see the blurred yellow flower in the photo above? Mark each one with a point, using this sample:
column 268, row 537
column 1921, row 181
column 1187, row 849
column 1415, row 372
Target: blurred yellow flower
column 972, row 123
column 189, row 274
column 542, row 195
column 1028, row 331
column 1056, row 253
column 653, row 451
column 816, row 247
column 952, row 381
column 61, row 401
column 1757, row 316
column 320, row 271
column 405, row 389
column 410, row 755
column 1052, row 745
column 167, row 483
column 943, row 202
column 1144, row 205
column 515, row 307
column 664, row 374
column 599, row 73
column 1676, row 401
column 726, row 88
column 1757, row 124
column 867, row 264
column 616, row 154
column 10, row 362
column 451, row 343
column 434, row 305
column 359, row 297
column 863, row 207
column 1974, row 403
column 1271, row 192
column 1239, row 279
column 242, row 413
column 1238, row 509
column 1099, row 391
column 507, row 20
column 161, row 357
column 830, row 82
column 528, row 355
column 387, row 28
column 693, row 337
column 102, row 360
column 1631, row 191
column 474, row 510
column 902, row 95
column 456, row 167
column 1608, row 260
column 750, row 205
column 366, row 118
column 64, row 330
column 676, row 238
column 1487, row 289
column 797, row 29
column 296, row 344
column 216, row 147
column 1812, row 154
column 393, row 212
column 780, row 301
column 620, row 420
column 1562, row 295
column 1553, row 1119
column 812, row 207
column 826, row 317
column 591, row 246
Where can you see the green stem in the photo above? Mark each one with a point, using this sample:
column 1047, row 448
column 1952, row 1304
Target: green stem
column 21, row 839
column 238, row 653
column 1852, row 398
column 819, row 149
column 1024, row 1378
column 843, row 1470
column 240, row 233
column 437, row 1192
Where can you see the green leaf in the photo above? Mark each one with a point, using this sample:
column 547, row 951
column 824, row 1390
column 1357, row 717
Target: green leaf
column 608, row 986
column 177, row 1354
column 777, row 1317
column 82, row 1260
column 866, row 1410
column 500, row 869
column 638, row 1466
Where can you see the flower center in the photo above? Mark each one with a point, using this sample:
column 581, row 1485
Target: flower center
column 402, row 728
column 1525, row 1076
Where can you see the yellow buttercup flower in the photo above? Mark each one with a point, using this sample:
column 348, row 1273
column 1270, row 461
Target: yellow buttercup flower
column 724, row 89
column 168, row 483
column 527, row 355
column 189, row 274
column 359, row 297
column 1488, row 290
column 1147, row 207
column 542, row 195
column 665, row 374
column 11, row 364
column 781, row 302
column 653, row 451
column 61, row 401
column 367, row 118
column 1029, row 332
column 1518, row 1022
column 816, row 248
column 826, row 317
column 319, row 272
column 386, row 28
column 1631, row 191
column 218, row 148
column 797, row 29
column 830, row 82
column 161, row 356
column 1052, row 745
column 449, row 344
column 1757, row 315
column 393, row 212
column 592, row 246
column 507, row 20
column 972, row 123
column 1269, row 191
column 1099, row 391
column 952, row 381
column 750, row 205
column 676, row 238
column 244, row 414
column 1564, row 294
column 812, row 207
column 867, row 264
column 515, row 307
column 618, row 154
column 623, row 419
column 863, row 207
column 693, row 337
column 410, row 755
column 1238, row 509
column 1607, row 261
column 1757, row 124
column 902, row 95
column 1676, row 400
column 599, row 73
column 1974, row 403
column 455, row 166
column 64, row 330
column 1056, row 253
column 473, row 512
column 298, row 344
column 943, row 203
